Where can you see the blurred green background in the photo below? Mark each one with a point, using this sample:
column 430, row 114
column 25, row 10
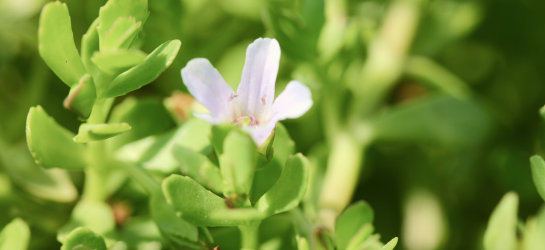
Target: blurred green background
column 433, row 185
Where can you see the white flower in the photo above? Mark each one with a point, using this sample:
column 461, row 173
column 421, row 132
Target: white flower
column 251, row 106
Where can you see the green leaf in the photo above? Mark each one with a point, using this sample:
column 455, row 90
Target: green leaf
column 196, row 204
column 358, row 238
column 501, row 233
column 50, row 184
column 82, row 97
column 390, row 245
column 351, row 220
column 15, row 235
column 198, row 167
column 290, row 188
column 122, row 33
column 147, row 116
column 154, row 64
column 109, row 14
column 302, row 243
column 84, row 239
column 538, row 174
column 238, row 163
column 155, row 152
column 265, row 177
column 56, row 43
column 50, row 144
column 98, row 132
column 90, row 44
column 94, row 215
column 218, row 134
column 167, row 221
column 435, row 119
column 119, row 59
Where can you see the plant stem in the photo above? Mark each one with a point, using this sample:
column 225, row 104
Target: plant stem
column 250, row 235
column 95, row 174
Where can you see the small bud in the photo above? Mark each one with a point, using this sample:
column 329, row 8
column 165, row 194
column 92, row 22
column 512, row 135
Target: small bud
column 180, row 105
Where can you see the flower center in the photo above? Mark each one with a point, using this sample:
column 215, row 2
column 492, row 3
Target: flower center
column 246, row 121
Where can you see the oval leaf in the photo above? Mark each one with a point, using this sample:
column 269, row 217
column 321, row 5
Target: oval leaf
column 15, row 235
column 144, row 73
column 196, row 204
column 51, row 145
column 122, row 33
column 351, row 220
column 238, row 162
column 56, row 43
column 501, row 233
column 83, row 238
column 109, row 14
column 290, row 188
column 199, row 167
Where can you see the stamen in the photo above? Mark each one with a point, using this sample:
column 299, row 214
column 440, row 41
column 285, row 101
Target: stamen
column 246, row 121
column 233, row 95
column 263, row 99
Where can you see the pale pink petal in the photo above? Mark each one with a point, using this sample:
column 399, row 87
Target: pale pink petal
column 206, row 84
column 256, row 88
column 260, row 133
column 292, row 103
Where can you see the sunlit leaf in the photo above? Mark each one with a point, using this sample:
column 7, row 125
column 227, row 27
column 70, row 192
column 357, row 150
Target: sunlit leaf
column 114, row 60
column 56, row 43
column 501, row 232
column 351, row 220
column 114, row 9
column 290, row 188
column 83, row 238
column 238, row 162
column 138, row 76
column 122, row 33
column 15, row 235
column 50, row 144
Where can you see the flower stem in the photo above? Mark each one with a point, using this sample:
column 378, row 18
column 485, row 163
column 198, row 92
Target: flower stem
column 250, row 235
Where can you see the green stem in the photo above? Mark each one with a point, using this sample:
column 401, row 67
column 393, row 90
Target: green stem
column 250, row 235
column 95, row 174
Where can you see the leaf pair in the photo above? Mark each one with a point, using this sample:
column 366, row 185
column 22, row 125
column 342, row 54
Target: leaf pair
column 105, row 53
column 203, row 208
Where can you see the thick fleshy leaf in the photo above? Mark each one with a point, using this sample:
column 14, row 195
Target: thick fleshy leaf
column 155, row 152
column 167, row 221
column 94, row 215
column 290, row 188
column 98, row 132
column 218, row 135
column 265, row 177
column 390, row 245
column 82, row 97
column 293, row 102
column 122, row 33
column 56, row 43
column 90, row 44
column 351, row 220
column 538, row 174
column 199, row 167
column 256, row 88
column 206, row 84
column 501, row 233
column 83, row 238
column 114, row 9
column 119, row 59
column 238, row 163
column 359, row 238
column 51, row 145
column 50, row 184
column 147, row 116
column 196, row 204
column 15, row 235
column 138, row 76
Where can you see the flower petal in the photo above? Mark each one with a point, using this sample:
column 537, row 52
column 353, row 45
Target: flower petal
column 294, row 102
column 206, row 84
column 256, row 88
column 260, row 133
column 208, row 117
